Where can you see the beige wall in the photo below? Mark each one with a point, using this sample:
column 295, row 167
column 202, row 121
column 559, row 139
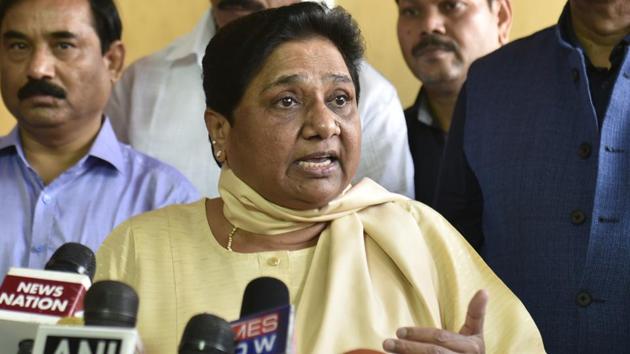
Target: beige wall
column 150, row 24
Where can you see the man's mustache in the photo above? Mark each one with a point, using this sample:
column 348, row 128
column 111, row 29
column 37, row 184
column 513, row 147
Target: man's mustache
column 40, row 88
column 433, row 41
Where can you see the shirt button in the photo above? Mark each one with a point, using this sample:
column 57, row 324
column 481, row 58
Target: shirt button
column 583, row 299
column 273, row 261
column 46, row 198
column 38, row 249
column 584, row 151
column 577, row 217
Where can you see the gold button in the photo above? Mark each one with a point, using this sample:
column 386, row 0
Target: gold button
column 273, row 261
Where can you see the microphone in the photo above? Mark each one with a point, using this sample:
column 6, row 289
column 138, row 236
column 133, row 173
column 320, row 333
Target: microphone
column 73, row 257
column 262, row 294
column 208, row 334
column 25, row 346
column 110, row 313
column 267, row 317
column 29, row 297
column 111, row 303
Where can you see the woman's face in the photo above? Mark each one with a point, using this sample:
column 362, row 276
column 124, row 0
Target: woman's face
column 295, row 136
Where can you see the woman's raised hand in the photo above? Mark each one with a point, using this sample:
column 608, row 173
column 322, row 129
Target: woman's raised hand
column 420, row 340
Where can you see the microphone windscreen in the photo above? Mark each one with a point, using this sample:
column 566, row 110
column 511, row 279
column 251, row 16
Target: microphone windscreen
column 262, row 294
column 73, row 257
column 207, row 333
column 110, row 303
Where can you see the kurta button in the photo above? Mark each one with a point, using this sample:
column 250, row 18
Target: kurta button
column 576, row 75
column 273, row 261
column 584, row 151
column 577, row 217
column 583, row 299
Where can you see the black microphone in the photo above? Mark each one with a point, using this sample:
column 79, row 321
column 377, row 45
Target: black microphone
column 262, row 294
column 207, row 333
column 25, row 346
column 111, row 303
column 29, row 297
column 73, row 257
column 110, row 310
column 267, row 317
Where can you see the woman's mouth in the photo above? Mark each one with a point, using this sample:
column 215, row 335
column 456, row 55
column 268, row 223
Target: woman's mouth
column 318, row 163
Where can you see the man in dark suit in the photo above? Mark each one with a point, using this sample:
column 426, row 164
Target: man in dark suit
column 536, row 174
column 439, row 40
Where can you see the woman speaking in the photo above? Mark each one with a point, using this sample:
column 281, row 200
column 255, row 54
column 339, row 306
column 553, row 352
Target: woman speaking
column 365, row 268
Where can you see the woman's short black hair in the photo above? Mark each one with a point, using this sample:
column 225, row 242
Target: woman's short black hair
column 237, row 52
column 104, row 14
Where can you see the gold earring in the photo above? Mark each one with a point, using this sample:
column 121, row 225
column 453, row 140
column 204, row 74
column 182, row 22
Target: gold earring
column 219, row 153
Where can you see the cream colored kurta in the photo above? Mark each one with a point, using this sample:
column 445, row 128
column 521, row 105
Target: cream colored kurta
column 384, row 262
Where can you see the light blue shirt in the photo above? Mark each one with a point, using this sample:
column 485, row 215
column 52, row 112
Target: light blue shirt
column 107, row 186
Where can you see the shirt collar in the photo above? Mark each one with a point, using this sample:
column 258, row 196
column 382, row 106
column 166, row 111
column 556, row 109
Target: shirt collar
column 196, row 41
column 424, row 111
column 105, row 147
column 12, row 140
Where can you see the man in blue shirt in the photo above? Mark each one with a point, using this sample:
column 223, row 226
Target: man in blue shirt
column 536, row 174
column 63, row 175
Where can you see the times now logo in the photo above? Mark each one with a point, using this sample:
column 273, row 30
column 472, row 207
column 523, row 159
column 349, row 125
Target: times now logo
column 43, row 293
column 268, row 332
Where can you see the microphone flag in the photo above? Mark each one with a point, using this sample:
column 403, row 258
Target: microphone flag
column 266, row 332
column 43, row 296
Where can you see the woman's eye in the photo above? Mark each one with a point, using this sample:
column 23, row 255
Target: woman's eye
column 287, row 101
column 341, row 100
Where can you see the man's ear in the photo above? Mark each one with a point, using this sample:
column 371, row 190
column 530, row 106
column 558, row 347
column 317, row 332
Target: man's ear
column 115, row 59
column 219, row 132
column 503, row 12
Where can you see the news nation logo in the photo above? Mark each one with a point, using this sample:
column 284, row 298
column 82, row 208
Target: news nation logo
column 269, row 332
column 77, row 345
column 42, row 294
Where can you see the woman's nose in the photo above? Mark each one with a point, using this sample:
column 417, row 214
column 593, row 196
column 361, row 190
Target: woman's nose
column 321, row 122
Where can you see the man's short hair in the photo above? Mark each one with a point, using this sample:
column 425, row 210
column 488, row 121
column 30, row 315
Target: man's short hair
column 237, row 52
column 104, row 15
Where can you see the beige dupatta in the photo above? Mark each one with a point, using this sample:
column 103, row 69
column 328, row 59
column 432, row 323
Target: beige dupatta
column 383, row 262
